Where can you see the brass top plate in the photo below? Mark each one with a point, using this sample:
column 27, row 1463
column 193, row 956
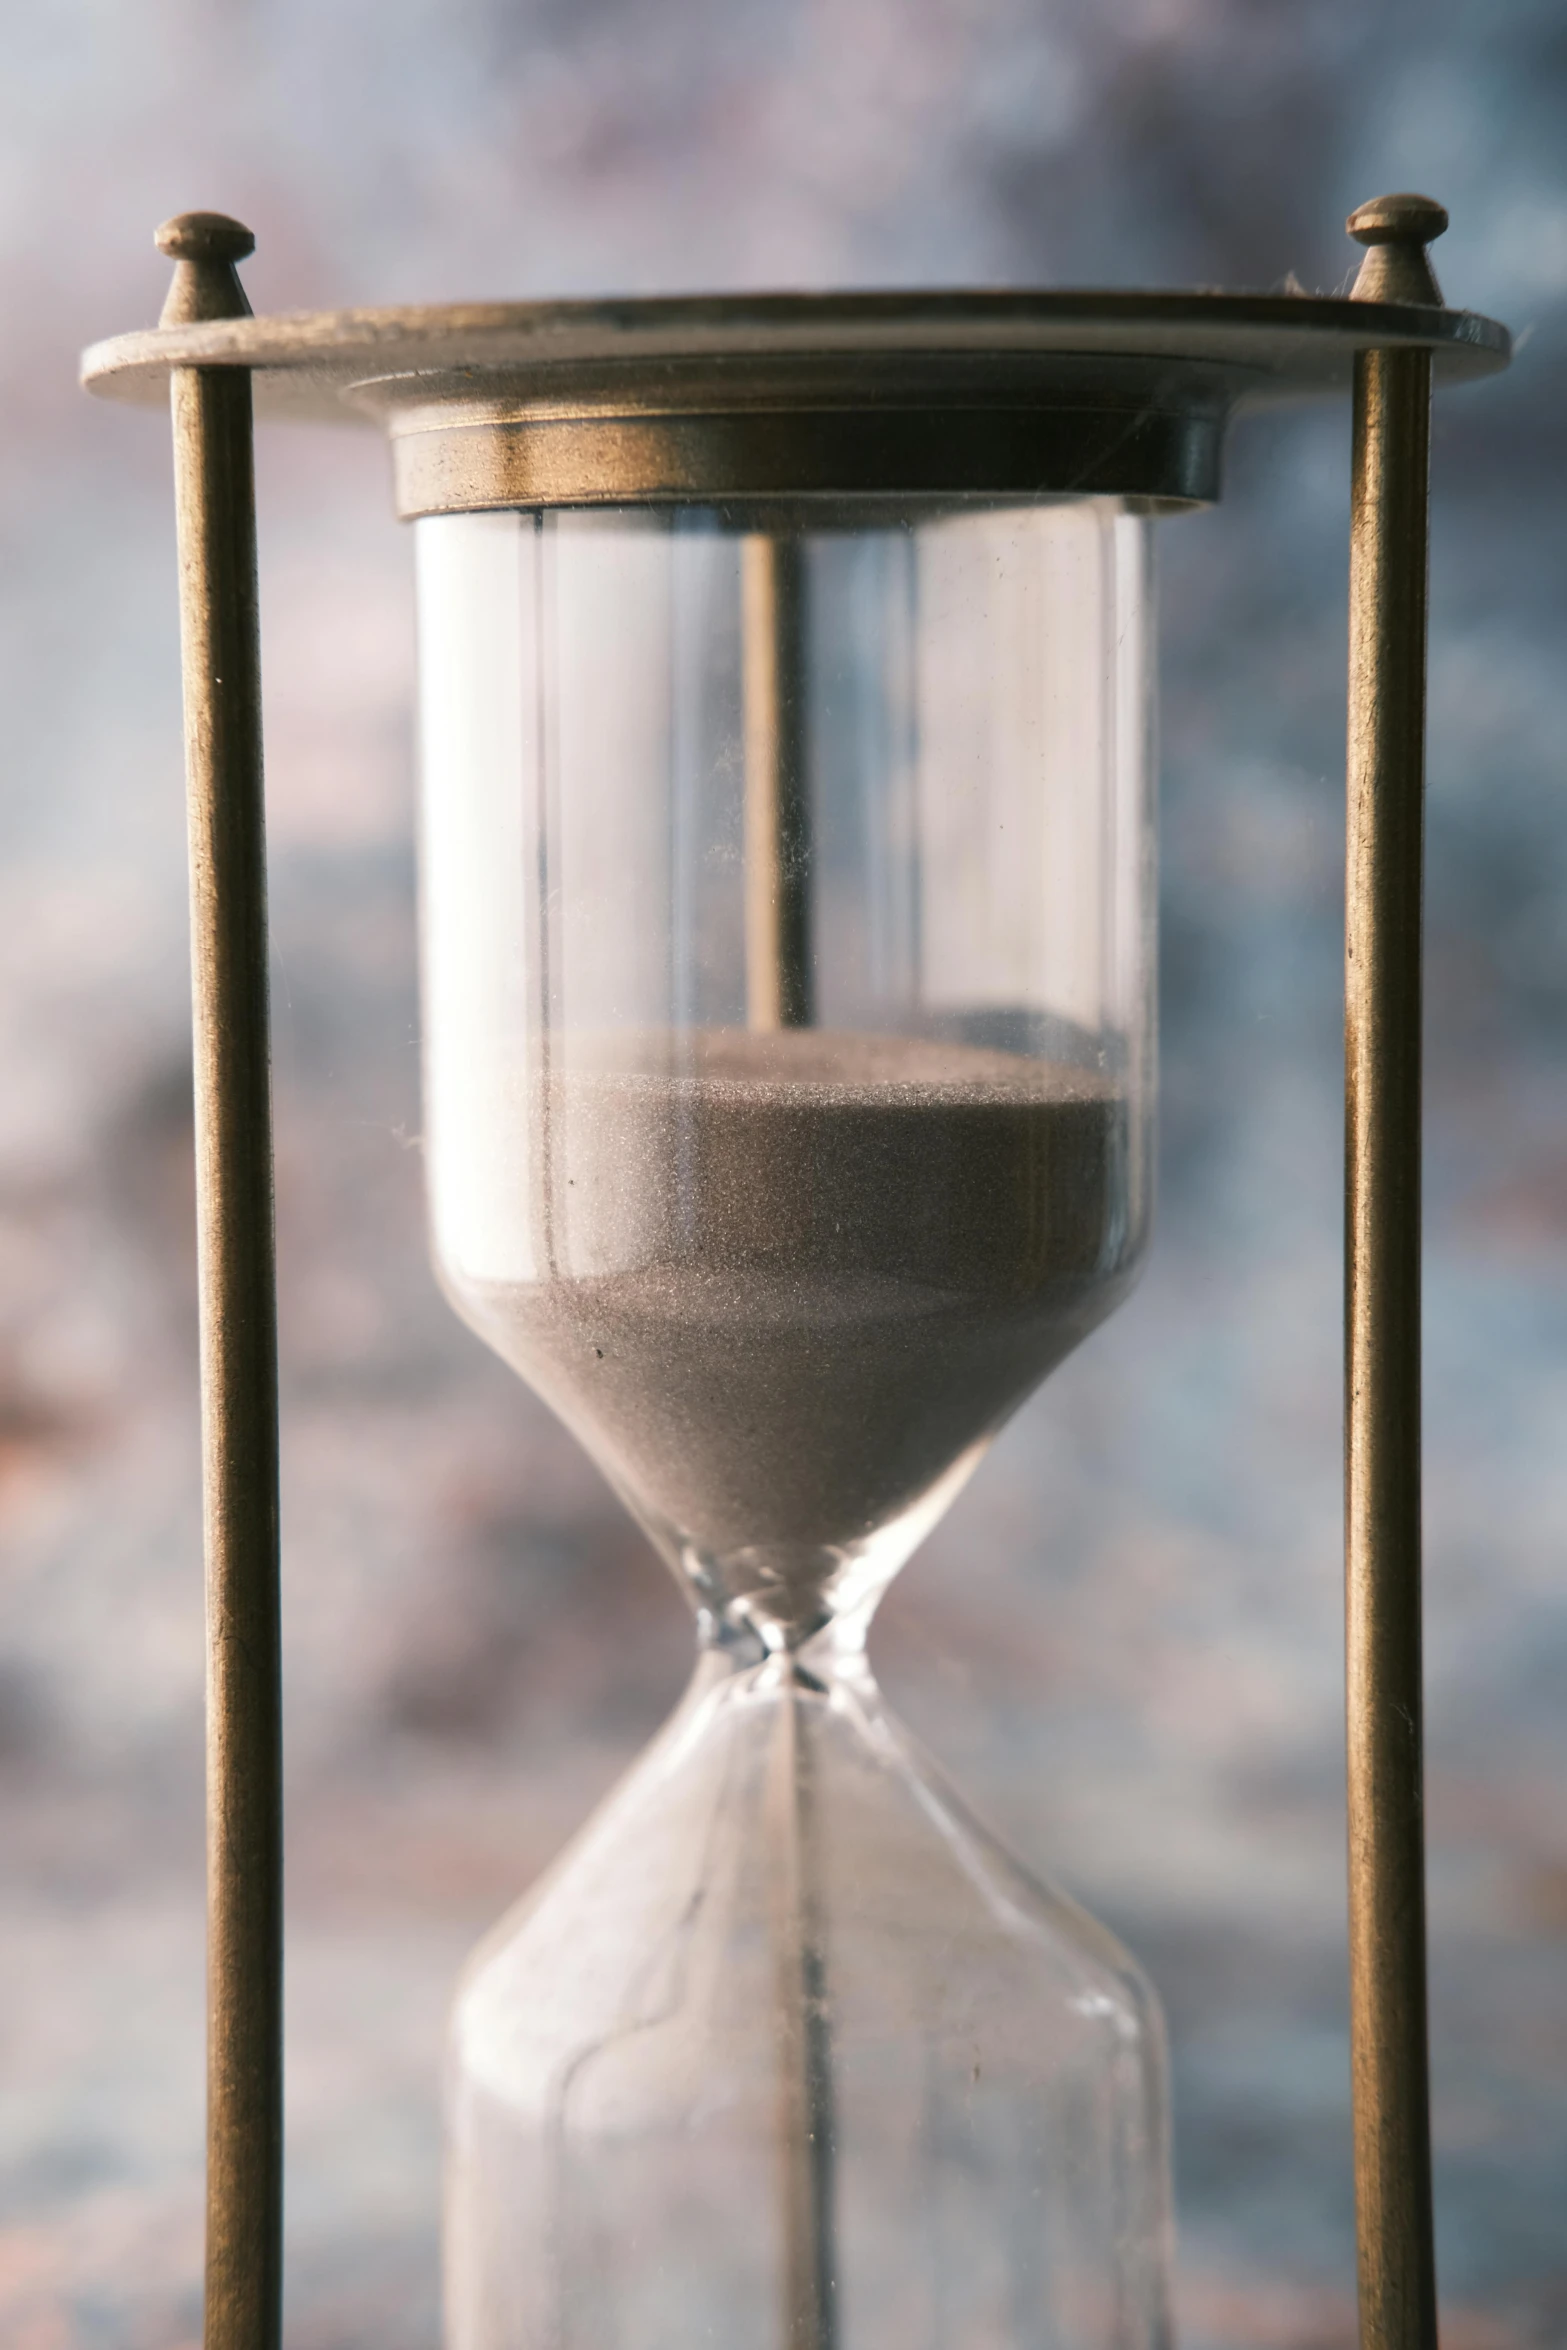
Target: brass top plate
column 306, row 362
column 815, row 396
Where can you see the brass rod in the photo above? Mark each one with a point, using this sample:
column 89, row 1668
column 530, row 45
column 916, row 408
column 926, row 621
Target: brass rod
column 777, row 816
column 807, row 2147
column 220, row 645
column 1382, row 1093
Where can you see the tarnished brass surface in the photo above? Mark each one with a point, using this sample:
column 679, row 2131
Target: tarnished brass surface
column 801, row 396
column 215, row 507
column 783, row 397
column 1396, row 231
column 204, row 248
column 777, row 808
column 811, row 434
column 1388, row 560
column 309, row 363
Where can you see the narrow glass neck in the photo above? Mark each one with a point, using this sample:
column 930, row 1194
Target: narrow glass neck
column 772, row 1599
column 816, row 1645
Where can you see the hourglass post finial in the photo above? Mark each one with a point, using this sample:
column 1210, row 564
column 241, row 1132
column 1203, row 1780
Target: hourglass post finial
column 205, row 246
column 221, row 658
column 1396, row 230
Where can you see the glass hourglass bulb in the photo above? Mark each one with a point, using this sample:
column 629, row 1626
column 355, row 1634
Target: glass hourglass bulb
column 789, row 1070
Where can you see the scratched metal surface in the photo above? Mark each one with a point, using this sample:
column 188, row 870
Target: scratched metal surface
column 1125, row 1641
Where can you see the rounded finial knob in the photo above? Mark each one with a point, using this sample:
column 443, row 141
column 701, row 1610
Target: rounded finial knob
column 204, row 247
column 1398, row 220
column 204, row 236
column 1397, row 229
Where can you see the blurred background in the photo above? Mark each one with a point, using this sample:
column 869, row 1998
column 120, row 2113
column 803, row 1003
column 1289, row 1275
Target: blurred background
column 1125, row 1642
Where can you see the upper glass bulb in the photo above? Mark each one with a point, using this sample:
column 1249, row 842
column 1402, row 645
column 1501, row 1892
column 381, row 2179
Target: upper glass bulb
column 787, row 991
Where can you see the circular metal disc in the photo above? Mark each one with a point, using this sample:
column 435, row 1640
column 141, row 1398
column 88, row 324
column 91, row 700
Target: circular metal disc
column 818, row 397
column 305, row 362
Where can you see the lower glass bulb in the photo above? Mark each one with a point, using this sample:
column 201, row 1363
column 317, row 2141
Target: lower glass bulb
column 787, row 2053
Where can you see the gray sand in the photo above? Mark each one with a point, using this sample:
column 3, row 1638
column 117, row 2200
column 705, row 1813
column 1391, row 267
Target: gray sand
column 798, row 1275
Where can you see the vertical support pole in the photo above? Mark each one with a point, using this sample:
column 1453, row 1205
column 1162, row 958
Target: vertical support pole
column 807, row 2134
column 778, row 995
column 1382, row 1057
column 777, row 814
column 219, row 635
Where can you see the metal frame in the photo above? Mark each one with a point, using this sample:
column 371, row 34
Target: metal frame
column 775, row 403
column 1384, row 873
column 221, row 653
column 814, row 399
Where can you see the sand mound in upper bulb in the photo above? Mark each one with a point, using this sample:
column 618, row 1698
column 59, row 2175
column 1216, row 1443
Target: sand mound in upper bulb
column 782, row 1282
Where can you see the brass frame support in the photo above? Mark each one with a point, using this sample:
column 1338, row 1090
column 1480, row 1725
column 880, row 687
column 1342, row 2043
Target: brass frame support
column 1382, row 1050
column 807, row 2132
column 777, row 811
column 220, row 645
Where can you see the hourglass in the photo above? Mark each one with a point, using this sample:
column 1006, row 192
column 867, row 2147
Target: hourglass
column 786, row 934
column 787, row 886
